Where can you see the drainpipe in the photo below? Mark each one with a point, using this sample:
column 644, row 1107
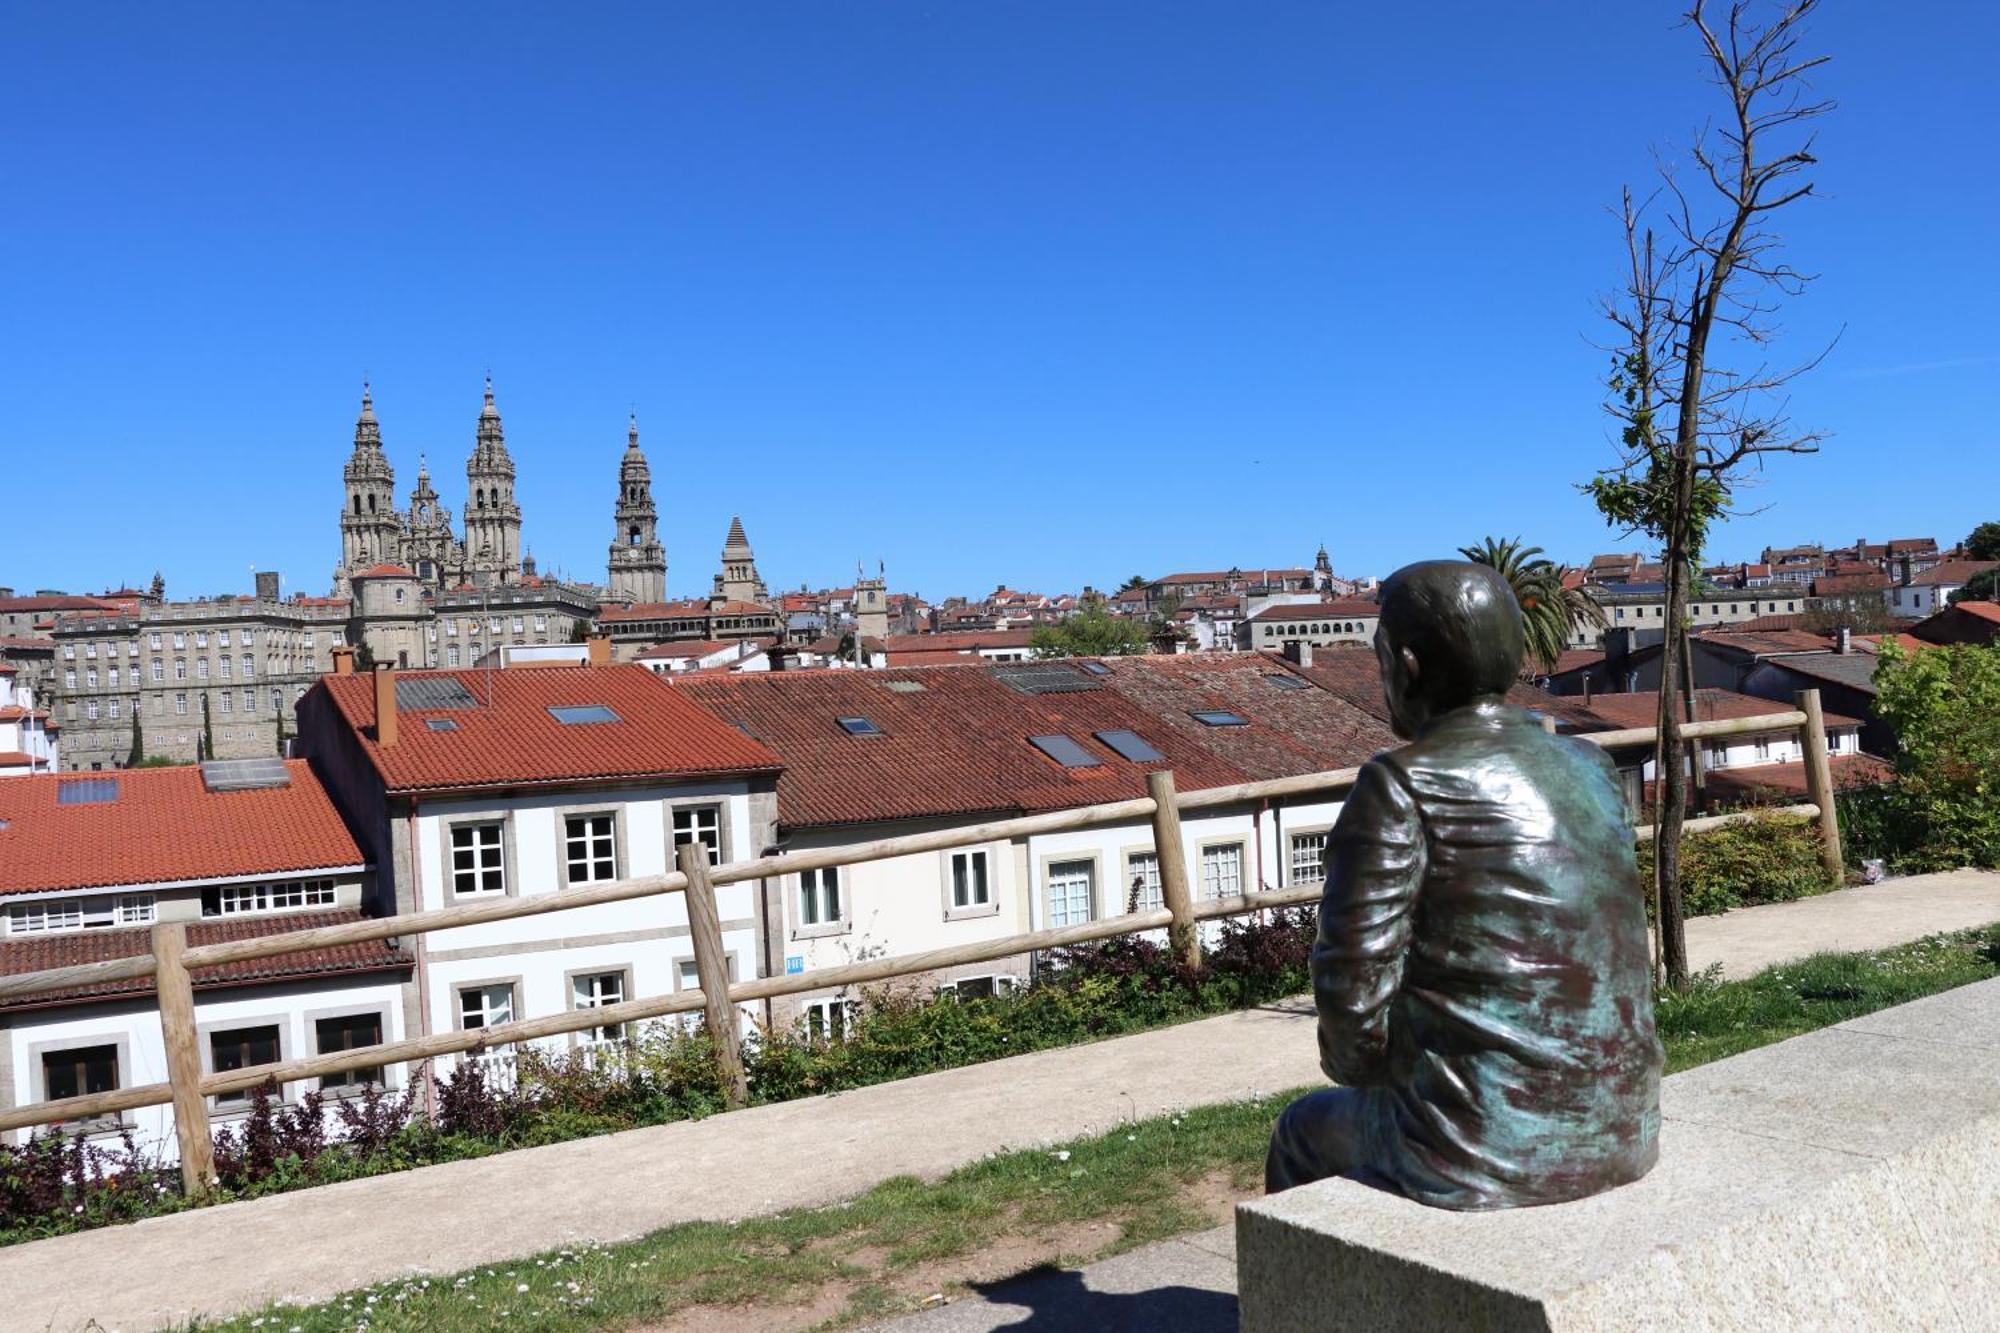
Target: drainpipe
column 421, row 947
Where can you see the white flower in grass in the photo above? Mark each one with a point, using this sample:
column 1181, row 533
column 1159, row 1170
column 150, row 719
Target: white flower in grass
column 520, row 1286
column 1063, row 1155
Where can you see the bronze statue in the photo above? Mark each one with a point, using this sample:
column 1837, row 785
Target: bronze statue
column 1481, row 971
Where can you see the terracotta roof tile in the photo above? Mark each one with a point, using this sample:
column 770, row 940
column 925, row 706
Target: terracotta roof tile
column 35, row 953
column 1952, row 573
column 165, row 826
column 1622, row 710
column 1351, row 607
column 509, row 737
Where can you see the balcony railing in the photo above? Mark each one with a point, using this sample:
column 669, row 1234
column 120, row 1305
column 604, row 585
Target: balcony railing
column 172, row 960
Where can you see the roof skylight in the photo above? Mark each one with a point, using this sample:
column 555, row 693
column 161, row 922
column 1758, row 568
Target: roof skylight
column 245, row 774
column 1065, row 750
column 1288, row 682
column 858, row 726
column 86, row 791
column 1130, row 745
column 571, row 715
column 441, row 723
column 1218, row 717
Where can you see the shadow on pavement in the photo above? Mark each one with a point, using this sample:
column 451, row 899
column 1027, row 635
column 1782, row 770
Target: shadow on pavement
column 1059, row 1302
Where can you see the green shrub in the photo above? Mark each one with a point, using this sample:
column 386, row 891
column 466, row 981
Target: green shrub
column 1944, row 703
column 1770, row 859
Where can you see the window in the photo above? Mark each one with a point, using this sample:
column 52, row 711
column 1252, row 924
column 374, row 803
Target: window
column 1142, row 874
column 969, row 884
column 69, row 652
column 201, row 638
column 578, row 714
column 43, row 917
column 518, row 626
column 702, row 824
column 236, row 899
column 241, row 1048
column 858, row 726
column 1071, row 885
column 594, row 990
column 79, row 1071
column 590, row 848
column 90, row 678
column 477, row 859
column 90, row 709
column 153, row 639
column 224, row 698
column 222, row 663
column 819, row 897
column 222, row 638
column 486, row 1006
column 69, row 678
column 976, row 988
column 1763, row 747
column 159, row 670
column 829, row 1020
column 541, row 624
column 249, row 666
column 1216, row 717
column 277, row 701
column 348, row 1032
column 1308, row 858
column 90, row 651
column 451, row 629
column 1222, row 870
column 181, row 704
column 451, row 654
column 249, row 701
column 180, row 668
column 249, row 638
column 1065, row 751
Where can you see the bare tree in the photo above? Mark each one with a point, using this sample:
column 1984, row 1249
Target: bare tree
column 1695, row 424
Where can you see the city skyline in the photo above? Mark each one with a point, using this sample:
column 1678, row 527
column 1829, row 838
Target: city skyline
column 861, row 275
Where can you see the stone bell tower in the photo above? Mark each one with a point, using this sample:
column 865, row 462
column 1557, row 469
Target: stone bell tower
column 492, row 519
column 369, row 524
column 638, row 570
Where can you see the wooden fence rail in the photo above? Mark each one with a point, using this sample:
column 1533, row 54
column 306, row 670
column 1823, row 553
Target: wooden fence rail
column 172, row 960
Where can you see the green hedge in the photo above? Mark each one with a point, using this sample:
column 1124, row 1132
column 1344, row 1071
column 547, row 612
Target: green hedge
column 1771, row 859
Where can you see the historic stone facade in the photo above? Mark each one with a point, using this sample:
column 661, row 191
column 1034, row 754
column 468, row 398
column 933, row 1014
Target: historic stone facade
column 421, row 539
column 638, row 566
column 739, row 581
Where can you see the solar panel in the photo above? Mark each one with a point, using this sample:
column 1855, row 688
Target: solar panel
column 1043, row 678
column 424, row 693
column 1288, row 682
column 858, row 726
column 907, row 686
column 571, row 715
column 1218, row 717
column 1130, row 745
column 245, row 774
column 86, row 791
column 1065, row 751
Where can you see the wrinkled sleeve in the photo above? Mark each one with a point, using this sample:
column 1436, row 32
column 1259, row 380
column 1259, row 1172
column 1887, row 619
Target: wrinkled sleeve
column 1375, row 862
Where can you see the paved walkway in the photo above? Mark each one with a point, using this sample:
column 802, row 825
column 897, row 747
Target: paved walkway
column 314, row 1243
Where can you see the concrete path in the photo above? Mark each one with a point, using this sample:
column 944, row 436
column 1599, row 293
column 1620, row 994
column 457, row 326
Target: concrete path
column 312, row 1244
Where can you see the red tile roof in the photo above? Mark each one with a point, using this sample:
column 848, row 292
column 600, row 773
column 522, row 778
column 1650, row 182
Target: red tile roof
column 1952, row 573
column 15, row 759
column 741, row 609
column 1623, row 710
column 385, row 572
column 651, row 611
column 1765, row 643
column 511, row 739
column 959, row 642
column 1353, row 672
column 1757, row 781
column 57, row 602
column 166, row 826
column 36, row 953
column 1571, row 659
column 691, row 648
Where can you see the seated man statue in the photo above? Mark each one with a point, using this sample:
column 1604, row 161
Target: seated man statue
column 1481, row 971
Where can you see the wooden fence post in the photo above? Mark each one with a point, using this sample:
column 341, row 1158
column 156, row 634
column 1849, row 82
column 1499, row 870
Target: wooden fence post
column 1819, row 785
column 1172, row 857
column 183, row 1045
column 712, row 967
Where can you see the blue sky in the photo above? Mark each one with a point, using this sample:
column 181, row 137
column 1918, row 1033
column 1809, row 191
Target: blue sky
column 1038, row 293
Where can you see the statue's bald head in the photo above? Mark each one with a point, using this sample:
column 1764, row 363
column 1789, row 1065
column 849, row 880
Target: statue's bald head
column 1450, row 633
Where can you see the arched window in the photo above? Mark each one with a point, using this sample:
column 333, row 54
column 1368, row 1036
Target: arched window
column 371, row 502
column 635, row 536
column 357, row 504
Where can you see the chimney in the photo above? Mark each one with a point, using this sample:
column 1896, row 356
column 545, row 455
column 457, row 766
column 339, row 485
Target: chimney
column 1299, row 651
column 267, row 585
column 1844, row 640
column 1586, row 689
column 600, row 650
column 343, row 660
column 385, row 706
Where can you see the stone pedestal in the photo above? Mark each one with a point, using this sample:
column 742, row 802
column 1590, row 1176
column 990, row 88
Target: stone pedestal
column 1846, row 1179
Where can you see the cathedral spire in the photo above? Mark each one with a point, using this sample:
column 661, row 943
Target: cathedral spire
column 367, row 430
column 638, row 568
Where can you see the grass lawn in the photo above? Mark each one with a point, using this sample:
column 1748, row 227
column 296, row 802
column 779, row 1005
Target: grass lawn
column 886, row 1251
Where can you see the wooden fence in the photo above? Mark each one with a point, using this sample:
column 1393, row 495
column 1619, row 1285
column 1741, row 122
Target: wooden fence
column 172, row 959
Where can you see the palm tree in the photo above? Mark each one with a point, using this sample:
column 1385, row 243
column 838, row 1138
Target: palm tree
column 1551, row 611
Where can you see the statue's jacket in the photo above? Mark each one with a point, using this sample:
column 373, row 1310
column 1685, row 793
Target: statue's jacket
column 1481, row 967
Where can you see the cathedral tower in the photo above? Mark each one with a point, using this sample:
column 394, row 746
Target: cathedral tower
column 638, row 561
column 738, row 581
column 492, row 519
column 369, row 526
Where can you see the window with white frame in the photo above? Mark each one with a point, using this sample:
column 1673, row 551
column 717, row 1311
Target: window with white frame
column 1142, row 877
column 79, row 1071
column 478, row 859
column 978, row 988
column 970, row 884
column 284, row 896
column 90, row 709
column 829, row 1020
column 249, row 701
column 451, row 654
column 40, row 918
column 225, row 699
column 1308, row 859
column 90, row 678
column 1071, row 885
column 485, row 1006
column 594, row 990
column 153, row 639
column 159, row 670
column 590, row 851
column 180, row 638
column 702, row 824
column 1222, row 870
column 181, row 704
column 201, row 638
column 1763, row 747
column 819, row 896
